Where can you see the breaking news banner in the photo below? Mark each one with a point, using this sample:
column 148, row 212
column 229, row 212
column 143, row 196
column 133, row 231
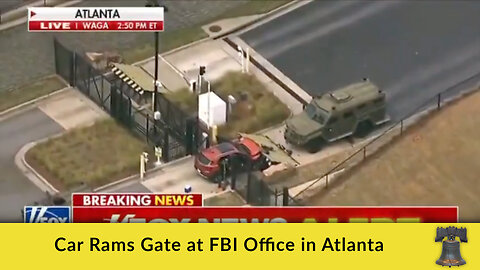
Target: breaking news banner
column 264, row 214
column 240, row 246
column 188, row 208
column 98, row 19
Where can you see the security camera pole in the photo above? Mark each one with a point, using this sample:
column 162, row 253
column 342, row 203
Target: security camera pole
column 143, row 164
column 240, row 53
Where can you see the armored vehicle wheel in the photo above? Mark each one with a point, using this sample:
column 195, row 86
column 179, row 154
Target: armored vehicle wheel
column 363, row 129
column 315, row 145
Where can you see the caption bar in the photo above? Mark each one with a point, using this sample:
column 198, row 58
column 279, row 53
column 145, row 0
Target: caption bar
column 264, row 214
column 75, row 19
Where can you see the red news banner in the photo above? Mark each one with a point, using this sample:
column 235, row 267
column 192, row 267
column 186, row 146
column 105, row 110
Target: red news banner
column 187, row 208
column 99, row 19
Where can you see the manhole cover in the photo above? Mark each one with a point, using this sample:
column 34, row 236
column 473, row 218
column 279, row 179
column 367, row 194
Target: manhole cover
column 215, row 28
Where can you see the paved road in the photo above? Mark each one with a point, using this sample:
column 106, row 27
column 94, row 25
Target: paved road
column 412, row 49
column 15, row 189
column 30, row 55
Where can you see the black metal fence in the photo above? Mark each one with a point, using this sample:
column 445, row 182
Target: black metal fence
column 176, row 133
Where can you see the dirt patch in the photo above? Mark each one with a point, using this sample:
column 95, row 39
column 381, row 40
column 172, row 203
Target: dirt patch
column 436, row 162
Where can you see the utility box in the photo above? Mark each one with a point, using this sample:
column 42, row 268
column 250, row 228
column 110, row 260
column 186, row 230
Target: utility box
column 218, row 109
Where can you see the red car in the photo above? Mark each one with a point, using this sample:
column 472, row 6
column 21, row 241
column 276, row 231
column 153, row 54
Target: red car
column 208, row 161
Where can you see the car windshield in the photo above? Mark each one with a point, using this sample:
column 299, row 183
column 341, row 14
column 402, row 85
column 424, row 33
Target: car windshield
column 244, row 149
column 316, row 113
column 203, row 159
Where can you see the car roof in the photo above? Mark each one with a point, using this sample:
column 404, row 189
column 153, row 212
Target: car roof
column 225, row 147
column 349, row 96
column 217, row 151
column 252, row 146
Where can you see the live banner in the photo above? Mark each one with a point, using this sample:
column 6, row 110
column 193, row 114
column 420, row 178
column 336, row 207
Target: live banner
column 237, row 246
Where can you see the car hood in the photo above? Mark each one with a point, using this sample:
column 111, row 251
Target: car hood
column 302, row 125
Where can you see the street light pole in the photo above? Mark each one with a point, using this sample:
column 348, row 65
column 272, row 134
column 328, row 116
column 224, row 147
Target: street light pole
column 154, row 3
column 155, row 89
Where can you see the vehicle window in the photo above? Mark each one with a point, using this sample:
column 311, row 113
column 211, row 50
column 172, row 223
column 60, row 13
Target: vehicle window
column 244, row 149
column 348, row 114
column 310, row 110
column 319, row 118
column 203, row 159
column 315, row 113
column 378, row 100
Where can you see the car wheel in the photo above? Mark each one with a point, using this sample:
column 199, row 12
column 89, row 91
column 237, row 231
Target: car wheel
column 315, row 145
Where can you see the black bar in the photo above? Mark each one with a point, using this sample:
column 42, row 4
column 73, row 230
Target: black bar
column 155, row 102
column 249, row 186
column 285, row 196
column 166, row 143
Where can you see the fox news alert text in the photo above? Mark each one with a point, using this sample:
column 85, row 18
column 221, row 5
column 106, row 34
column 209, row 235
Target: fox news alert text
column 264, row 214
column 99, row 19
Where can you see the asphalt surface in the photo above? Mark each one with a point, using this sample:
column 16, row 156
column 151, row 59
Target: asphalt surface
column 6, row 5
column 30, row 55
column 411, row 49
column 15, row 189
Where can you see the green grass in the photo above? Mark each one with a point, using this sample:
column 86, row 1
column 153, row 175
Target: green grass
column 168, row 40
column 30, row 91
column 94, row 155
column 260, row 110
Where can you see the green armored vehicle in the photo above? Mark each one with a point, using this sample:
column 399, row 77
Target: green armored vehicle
column 354, row 110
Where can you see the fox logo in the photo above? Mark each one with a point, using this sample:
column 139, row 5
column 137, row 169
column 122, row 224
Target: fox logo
column 47, row 214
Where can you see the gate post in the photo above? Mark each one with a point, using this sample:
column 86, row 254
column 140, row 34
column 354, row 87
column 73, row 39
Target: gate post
column 285, row 196
column 189, row 136
column 166, row 144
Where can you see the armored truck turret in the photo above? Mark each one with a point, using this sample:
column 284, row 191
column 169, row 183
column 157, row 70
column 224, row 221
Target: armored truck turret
column 354, row 110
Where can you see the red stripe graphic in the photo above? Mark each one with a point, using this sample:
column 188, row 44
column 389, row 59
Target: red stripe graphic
column 265, row 214
column 97, row 26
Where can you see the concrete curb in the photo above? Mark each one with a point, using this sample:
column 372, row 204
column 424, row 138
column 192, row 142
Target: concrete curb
column 136, row 177
column 31, row 173
column 263, row 18
column 257, row 22
column 45, row 186
column 20, row 107
column 141, row 62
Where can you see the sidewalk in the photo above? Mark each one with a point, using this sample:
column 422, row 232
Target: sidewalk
column 70, row 109
column 172, row 178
